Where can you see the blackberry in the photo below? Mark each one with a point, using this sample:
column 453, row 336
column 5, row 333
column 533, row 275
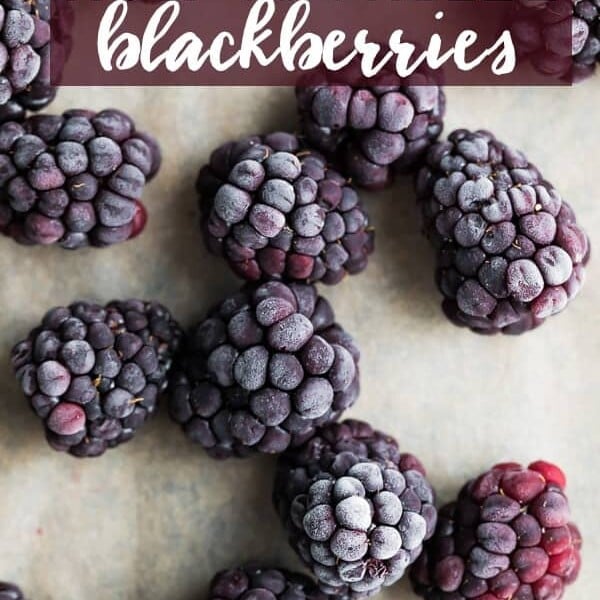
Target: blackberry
column 93, row 373
column 560, row 37
column 262, row 583
column 263, row 370
column 346, row 442
column 508, row 535
column 74, row 179
column 9, row 591
column 510, row 251
column 372, row 131
column 276, row 210
column 24, row 57
column 356, row 509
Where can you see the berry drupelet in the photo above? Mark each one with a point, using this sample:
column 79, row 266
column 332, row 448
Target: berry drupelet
column 508, row 536
column 262, row 371
column 356, row 509
column 510, row 251
column 262, row 583
column 9, row 591
column 93, row 373
column 560, row 37
column 24, row 57
column 372, row 131
column 275, row 210
column 74, row 179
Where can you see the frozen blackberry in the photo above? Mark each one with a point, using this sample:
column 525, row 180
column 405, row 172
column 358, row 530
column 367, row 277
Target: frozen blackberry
column 337, row 443
column 560, row 37
column 508, row 536
column 24, row 57
column 263, row 370
column 356, row 509
column 93, row 373
column 510, row 251
column 8, row 591
column 275, row 210
column 74, row 179
column 372, row 131
column 262, row 583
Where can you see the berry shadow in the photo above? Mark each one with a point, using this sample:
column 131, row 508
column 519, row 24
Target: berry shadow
column 194, row 279
column 218, row 514
column 403, row 261
column 19, row 427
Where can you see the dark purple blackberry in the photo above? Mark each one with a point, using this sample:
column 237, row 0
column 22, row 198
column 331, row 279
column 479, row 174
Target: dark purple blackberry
column 252, row 582
column 372, row 131
column 508, row 536
column 24, row 57
column 561, row 37
column 263, row 370
column 275, row 210
column 74, row 179
column 356, row 509
column 346, row 442
column 510, row 252
column 93, row 374
column 8, row 591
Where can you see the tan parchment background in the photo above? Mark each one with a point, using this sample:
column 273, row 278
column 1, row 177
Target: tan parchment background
column 154, row 519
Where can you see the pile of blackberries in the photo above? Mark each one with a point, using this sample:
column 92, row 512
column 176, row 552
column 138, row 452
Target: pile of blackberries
column 510, row 252
column 269, row 370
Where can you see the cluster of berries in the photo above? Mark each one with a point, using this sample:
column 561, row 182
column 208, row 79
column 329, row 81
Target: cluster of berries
column 284, row 207
column 360, row 515
column 510, row 252
column 269, row 369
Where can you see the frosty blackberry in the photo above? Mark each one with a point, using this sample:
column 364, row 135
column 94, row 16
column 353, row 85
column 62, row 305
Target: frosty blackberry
column 372, row 131
column 510, row 250
column 262, row 371
column 276, row 210
column 8, row 591
column 24, row 57
column 74, row 179
column 356, row 509
column 560, row 37
column 93, row 374
column 262, row 583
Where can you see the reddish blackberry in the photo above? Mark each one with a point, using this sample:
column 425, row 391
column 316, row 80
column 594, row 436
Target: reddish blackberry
column 262, row 583
column 372, row 131
column 93, row 373
column 357, row 510
column 24, row 57
column 561, row 37
column 275, row 210
column 510, row 252
column 74, row 179
column 508, row 535
column 8, row 591
column 263, row 370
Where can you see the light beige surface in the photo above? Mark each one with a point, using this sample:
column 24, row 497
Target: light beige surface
column 155, row 518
